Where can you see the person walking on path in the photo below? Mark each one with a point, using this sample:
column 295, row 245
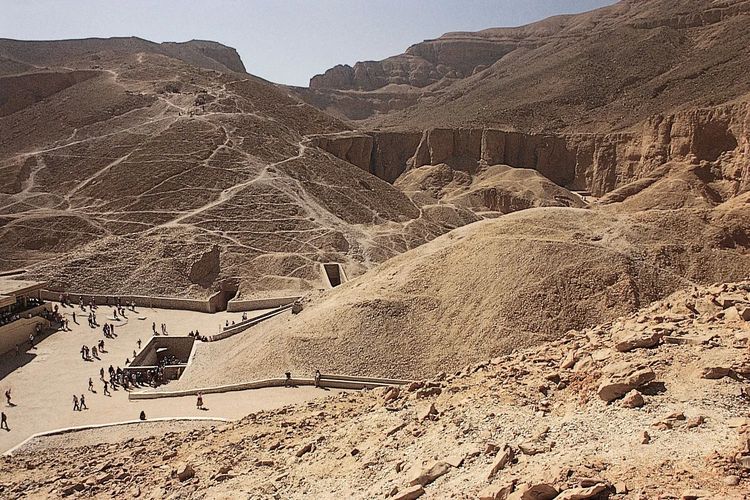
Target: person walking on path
column 7, row 397
column 83, row 403
column 199, row 403
column 91, row 385
column 106, row 389
column 4, row 421
column 75, row 403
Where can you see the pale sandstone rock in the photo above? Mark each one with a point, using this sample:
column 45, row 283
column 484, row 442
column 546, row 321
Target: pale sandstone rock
column 627, row 340
column 625, row 377
column 411, row 493
column 428, row 474
column 695, row 494
column 305, row 449
column 185, row 472
column 715, row 372
column 501, row 460
column 542, row 491
column 581, row 493
column 428, row 412
column 633, row 399
column 496, row 492
column 455, row 460
column 645, row 437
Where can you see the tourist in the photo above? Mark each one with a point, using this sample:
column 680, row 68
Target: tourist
column 134, row 354
column 142, row 416
column 106, row 389
column 199, row 403
column 83, row 403
column 101, row 373
column 288, row 381
column 74, row 318
column 4, row 421
column 31, row 340
column 91, row 385
column 153, row 327
column 244, row 316
column 112, row 330
column 83, row 353
column 101, row 345
column 139, row 343
column 7, row 397
column 75, row 403
column 94, row 352
column 317, row 378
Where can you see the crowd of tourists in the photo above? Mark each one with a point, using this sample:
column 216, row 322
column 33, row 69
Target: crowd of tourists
column 15, row 311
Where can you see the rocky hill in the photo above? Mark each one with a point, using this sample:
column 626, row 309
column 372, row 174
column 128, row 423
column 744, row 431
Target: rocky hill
column 652, row 405
column 599, row 71
column 593, row 101
column 159, row 169
column 488, row 288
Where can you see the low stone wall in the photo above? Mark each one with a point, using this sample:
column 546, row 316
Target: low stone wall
column 180, row 347
column 210, row 305
column 244, row 325
column 255, row 304
column 331, row 381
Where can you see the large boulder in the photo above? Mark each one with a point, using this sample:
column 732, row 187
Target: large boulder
column 623, row 378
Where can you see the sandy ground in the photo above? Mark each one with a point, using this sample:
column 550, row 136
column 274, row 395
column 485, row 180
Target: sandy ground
column 44, row 380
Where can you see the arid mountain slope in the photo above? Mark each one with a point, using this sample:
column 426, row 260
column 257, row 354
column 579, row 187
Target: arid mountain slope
column 488, row 288
column 593, row 101
column 147, row 175
column 598, row 71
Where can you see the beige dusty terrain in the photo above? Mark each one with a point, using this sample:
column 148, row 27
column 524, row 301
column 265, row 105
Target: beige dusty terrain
column 537, row 418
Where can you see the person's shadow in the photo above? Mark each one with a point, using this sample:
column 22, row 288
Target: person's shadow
column 12, row 404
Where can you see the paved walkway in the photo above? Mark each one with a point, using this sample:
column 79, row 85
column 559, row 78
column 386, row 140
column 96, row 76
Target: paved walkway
column 43, row 380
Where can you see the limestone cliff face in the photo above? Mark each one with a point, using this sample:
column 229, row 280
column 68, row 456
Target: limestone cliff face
column 596, row 162
column 455, row 55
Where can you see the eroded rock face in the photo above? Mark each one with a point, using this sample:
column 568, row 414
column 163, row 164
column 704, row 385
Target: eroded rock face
column 598, row 163
column 206, row 269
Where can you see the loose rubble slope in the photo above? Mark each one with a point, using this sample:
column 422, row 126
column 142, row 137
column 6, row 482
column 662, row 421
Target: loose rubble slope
column 540, row 423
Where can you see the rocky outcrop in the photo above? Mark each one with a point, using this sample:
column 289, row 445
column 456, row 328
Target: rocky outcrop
column 452, row 56
column 599, row 163
column 422, row 65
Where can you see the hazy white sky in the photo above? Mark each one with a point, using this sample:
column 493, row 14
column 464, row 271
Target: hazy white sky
column 285, row 41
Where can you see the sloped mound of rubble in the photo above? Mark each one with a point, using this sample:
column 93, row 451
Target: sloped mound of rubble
column 653, row 405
